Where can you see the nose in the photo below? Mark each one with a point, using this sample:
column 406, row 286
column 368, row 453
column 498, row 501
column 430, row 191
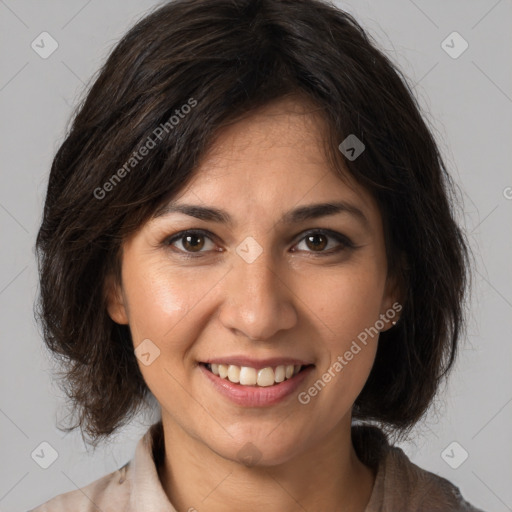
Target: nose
column 257, row 304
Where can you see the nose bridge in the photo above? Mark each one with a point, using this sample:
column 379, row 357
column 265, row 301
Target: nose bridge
column 258, row 279
column 257, row 304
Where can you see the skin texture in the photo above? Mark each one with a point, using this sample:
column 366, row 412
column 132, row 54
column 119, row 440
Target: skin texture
column 293, row 300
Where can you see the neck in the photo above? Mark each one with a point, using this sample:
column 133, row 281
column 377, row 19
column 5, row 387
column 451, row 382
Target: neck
column 326, row 476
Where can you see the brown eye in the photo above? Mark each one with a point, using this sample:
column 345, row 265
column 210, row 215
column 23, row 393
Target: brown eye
column 193, row 242
column 196, row 242
column 316, row 242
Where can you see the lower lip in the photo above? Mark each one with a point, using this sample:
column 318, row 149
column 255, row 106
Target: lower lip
column 256, row 396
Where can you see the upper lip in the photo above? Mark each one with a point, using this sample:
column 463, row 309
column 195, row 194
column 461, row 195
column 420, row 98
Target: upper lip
column 256, row 363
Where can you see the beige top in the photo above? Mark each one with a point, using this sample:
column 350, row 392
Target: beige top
column 400, row 485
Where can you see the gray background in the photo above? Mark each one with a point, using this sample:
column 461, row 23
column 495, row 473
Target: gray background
column 468, row 103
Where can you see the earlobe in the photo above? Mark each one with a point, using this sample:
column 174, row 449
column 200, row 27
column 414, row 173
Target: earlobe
column 397, row 283
column 392, row 304
column 116, row 307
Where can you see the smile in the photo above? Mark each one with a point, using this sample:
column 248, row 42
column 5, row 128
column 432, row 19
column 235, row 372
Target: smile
column 263, row 385
column 248, row 376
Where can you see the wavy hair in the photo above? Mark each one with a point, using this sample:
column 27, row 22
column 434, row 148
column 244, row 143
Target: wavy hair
column 232, row 57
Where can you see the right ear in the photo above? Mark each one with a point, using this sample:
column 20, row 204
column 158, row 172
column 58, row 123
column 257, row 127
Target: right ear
column 116, row 306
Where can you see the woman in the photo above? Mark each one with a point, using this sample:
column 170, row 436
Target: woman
column 250, row 222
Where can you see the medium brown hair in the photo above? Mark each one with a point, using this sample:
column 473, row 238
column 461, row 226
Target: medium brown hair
column 231, row 57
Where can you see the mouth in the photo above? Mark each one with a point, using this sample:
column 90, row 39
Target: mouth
column 268, row 376
column 265, row 383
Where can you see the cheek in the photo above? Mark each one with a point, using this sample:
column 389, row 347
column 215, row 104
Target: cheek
column 347, row 305
column 347, row 301
column 163, row 303
column 159, row 298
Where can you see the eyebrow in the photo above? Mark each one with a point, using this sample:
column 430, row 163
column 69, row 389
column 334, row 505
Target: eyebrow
column 295, row 216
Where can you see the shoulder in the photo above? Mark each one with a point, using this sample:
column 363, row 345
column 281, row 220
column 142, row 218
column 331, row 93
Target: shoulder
column 108, row 493
column 401, row 485
column 133, row 487
column 422, row 490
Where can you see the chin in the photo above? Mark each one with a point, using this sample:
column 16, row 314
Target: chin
column 258, row 451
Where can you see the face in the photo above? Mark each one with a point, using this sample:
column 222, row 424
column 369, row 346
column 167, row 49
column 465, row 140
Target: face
column 266, row 284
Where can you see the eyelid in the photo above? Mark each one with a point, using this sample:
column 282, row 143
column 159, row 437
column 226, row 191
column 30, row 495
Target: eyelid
column 168, row 241
column 342, row 240
column 339, row 237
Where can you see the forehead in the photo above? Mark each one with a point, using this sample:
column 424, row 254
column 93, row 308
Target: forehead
column 288, row 130
column 271, row 161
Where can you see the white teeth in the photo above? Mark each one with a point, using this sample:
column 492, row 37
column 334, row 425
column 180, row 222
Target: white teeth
column 280, row 374
column 265, row 377
column 223, row 371
column 234, row 373
column 247, row 376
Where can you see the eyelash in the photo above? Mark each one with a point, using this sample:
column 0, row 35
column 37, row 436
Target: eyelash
column 344, row 241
